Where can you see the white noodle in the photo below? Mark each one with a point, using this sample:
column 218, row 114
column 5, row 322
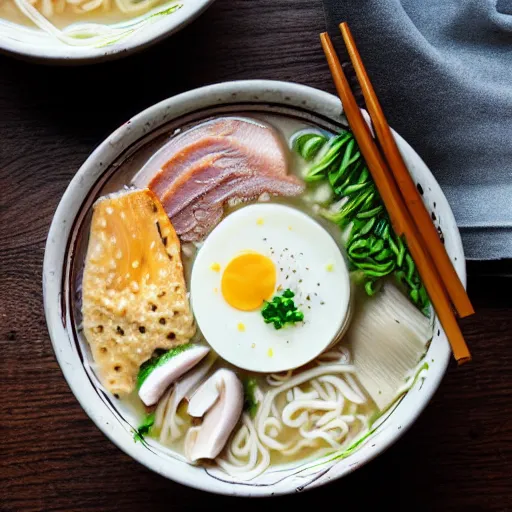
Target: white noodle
column 161, row 410
column 343, row 388
column 170, row 430
column 167, row 420
column 305, row 409
column 91, row 34
column 338, row 354
column 47, row 8
column 135, row 7
column 276, row 379
column 59, row 6
column 91, row 5
column 245, row 456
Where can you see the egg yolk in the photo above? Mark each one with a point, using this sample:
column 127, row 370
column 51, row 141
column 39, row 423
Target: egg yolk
column 248, row 280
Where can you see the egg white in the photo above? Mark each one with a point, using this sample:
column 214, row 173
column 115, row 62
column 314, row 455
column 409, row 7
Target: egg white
column 307, row 260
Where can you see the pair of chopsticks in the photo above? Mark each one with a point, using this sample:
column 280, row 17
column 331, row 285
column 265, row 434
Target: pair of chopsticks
column 401, row 198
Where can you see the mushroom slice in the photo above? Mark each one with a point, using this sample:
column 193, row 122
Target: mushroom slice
column 204, row 398
column 188, row 385
column 166, row 415
column 157, row 374
column 220, row 399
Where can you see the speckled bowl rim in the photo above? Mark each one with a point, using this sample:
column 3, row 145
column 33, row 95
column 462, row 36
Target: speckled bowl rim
column 149, row 35
column 254, row 91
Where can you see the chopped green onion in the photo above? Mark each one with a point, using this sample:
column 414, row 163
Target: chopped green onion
column 281, row 310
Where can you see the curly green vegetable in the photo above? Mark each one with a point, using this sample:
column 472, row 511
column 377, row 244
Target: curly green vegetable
column 373, row 248
column 308, row 145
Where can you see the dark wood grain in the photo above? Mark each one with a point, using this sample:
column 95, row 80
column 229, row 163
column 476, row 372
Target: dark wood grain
column 457, row 456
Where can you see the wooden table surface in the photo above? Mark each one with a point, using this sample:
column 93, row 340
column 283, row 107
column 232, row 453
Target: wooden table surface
column 457, row 456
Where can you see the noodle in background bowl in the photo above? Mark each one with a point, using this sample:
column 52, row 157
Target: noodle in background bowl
column 73, row 211
column 131, row 35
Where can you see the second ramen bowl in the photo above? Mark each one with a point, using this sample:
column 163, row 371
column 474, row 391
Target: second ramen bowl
column 53, row 46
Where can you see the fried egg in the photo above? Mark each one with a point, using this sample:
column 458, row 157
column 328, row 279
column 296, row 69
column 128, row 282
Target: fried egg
column 254, row 255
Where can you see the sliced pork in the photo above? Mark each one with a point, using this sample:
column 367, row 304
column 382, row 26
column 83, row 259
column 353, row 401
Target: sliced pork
column 225, row 160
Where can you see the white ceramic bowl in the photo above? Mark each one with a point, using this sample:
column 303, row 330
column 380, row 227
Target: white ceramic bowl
column 36, row 45
column 62, row 248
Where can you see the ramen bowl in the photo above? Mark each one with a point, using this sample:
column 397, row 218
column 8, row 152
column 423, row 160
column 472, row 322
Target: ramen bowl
column 128, row 148
column 126, row 37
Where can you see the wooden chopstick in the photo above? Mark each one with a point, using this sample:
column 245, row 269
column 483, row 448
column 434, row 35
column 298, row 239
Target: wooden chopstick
column 397, row 210
column 413, row 201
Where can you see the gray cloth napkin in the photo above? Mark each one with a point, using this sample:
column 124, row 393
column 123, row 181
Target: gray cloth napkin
column 443, row 72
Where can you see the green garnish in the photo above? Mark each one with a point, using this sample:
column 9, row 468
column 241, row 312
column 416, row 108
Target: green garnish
column 159, row 360
column 317, row 172
column 308, row 145
column 281, row 310
column 145, row 427
column 250, row 402
column 373, row 248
